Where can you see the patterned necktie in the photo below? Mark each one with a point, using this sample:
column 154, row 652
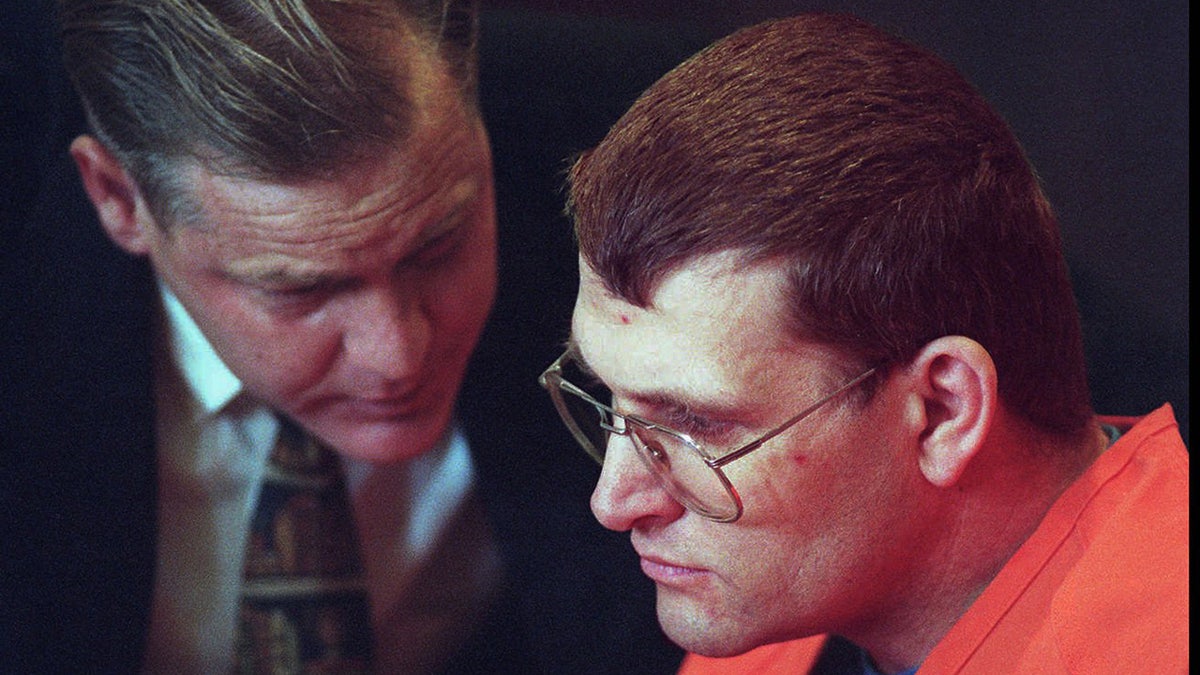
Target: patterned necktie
column 304, row 602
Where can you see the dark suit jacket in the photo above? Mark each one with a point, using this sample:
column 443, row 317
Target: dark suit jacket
column 77, row 479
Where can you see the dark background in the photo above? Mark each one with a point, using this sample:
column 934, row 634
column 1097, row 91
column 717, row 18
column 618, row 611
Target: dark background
column 1098, row 94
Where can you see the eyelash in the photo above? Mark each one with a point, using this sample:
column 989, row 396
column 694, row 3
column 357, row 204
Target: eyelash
column 439, row 248
column 697, row 426
column 295, row 300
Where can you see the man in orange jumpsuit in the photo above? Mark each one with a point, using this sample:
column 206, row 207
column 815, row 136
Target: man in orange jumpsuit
column 827, row 351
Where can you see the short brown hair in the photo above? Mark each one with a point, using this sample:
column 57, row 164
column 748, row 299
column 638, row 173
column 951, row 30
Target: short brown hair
column 265, row 88
column 901, row 203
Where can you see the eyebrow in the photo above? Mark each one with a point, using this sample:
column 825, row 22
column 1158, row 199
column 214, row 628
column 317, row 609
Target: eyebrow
column 679, row 409
column 278, row 271
column 666, row 402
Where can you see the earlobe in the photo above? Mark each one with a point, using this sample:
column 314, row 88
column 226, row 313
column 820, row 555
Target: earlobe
column 957, row 380
column 114, row 194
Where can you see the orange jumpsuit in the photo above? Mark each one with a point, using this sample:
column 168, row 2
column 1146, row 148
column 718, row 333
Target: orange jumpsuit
column 1100, row 587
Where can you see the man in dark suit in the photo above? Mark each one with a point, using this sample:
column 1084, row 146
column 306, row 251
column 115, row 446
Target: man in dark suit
column 322, row 276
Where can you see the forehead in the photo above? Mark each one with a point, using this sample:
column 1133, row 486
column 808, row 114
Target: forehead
column 713, row 320
column 442, row 166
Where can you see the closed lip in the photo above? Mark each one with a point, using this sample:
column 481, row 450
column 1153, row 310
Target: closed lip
column 411, row 404
column 664, row 571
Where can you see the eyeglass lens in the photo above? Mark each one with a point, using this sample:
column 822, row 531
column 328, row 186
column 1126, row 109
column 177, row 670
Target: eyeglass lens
column 679, row 465
column 685, row 475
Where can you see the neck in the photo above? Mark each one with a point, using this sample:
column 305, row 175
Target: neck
column 975, row 527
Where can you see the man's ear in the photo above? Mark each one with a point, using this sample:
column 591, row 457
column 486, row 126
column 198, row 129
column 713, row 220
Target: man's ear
column 956, row 381
column 114, row 194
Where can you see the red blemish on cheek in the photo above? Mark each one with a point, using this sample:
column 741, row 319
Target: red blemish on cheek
column 625, row 319
column 800, row 459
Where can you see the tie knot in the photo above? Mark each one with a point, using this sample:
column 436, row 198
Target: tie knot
column 298, row 452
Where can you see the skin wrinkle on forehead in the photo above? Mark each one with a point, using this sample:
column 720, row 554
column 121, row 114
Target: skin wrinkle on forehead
column 280, row 267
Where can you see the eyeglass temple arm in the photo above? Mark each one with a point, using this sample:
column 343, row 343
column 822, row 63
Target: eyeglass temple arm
column 751, row 447
column 609, row 412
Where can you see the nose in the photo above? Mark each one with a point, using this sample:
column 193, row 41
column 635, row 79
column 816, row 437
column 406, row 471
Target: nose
column 388, row 333
column 628, row 492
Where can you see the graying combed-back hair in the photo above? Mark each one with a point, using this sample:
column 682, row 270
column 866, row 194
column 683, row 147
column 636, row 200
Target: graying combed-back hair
column 268, row 89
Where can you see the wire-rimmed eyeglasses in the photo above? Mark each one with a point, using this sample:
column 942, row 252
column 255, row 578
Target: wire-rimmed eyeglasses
column 692, row 474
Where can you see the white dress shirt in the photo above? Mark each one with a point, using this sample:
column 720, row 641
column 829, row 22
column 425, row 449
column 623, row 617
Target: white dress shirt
column 415, row 518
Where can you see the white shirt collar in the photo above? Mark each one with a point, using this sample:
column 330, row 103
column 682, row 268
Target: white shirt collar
column 404, row 510
column 210, row 381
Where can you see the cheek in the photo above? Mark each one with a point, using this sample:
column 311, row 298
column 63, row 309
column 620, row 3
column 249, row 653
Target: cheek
column 773, row 483
column 460, row 299
column 766, row 572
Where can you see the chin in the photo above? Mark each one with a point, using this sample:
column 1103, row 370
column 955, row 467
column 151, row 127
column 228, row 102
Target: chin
column 694, row 631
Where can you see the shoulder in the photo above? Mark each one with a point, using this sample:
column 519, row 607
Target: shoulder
column 1102, row 584
column 1130, row 584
